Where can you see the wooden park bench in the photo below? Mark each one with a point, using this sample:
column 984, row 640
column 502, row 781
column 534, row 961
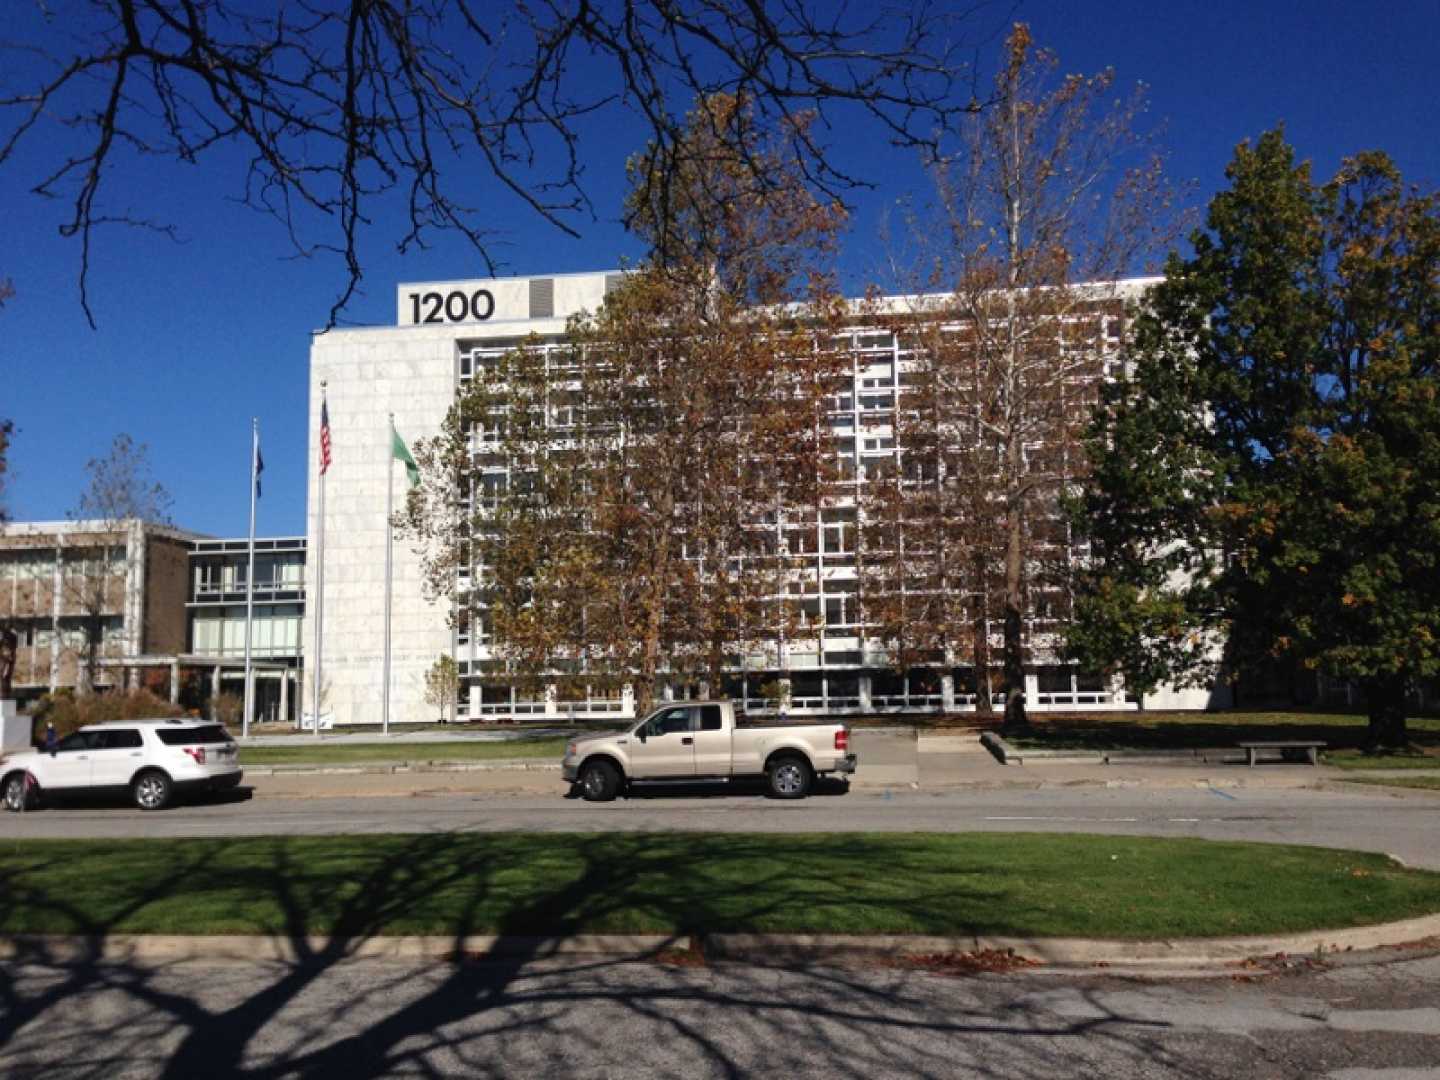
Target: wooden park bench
column 1310, row 746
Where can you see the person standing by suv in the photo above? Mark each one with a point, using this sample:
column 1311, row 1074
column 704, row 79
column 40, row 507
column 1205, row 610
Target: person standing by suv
column 52, row 738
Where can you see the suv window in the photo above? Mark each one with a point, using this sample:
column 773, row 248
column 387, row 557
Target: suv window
column 194, row 736
column 118, row 739
column 709, row 717
column 77, row 740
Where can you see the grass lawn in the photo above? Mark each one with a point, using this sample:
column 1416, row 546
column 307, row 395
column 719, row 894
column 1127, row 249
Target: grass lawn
column 1205, row 730
column 1423, row 758
column 1399, row 779
column 1022, row 884
column 336, row 753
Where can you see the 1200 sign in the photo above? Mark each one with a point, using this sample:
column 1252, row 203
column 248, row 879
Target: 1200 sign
column 452, row 307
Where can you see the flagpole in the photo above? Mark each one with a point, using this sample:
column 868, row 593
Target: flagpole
column 250, row 577
column 389, row 509
column 316, row 684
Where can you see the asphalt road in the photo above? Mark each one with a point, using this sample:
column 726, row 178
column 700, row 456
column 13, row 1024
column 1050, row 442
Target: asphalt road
column 1405, row 826
column 327, row 1017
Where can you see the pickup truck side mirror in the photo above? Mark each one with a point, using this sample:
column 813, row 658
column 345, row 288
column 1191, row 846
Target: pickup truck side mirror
column 640, row 732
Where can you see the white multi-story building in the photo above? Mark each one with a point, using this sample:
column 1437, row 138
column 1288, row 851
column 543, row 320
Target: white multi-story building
column 443, row 333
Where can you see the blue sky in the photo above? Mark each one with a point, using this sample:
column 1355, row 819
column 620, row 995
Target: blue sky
column 196, row 338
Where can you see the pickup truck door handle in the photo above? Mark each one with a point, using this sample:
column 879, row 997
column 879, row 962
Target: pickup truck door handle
column 687, row 741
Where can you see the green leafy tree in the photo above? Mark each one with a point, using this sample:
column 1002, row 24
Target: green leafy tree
column 1266, row 475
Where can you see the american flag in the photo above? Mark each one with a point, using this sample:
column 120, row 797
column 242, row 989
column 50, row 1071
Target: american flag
column 324, row 437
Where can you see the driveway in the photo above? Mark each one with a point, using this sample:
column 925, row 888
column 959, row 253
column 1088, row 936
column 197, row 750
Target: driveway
column 326, row 1016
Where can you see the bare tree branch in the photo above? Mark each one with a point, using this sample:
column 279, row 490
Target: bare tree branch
column 338, row 104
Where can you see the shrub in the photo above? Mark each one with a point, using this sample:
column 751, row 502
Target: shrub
column 227, row 708
column 68, row 711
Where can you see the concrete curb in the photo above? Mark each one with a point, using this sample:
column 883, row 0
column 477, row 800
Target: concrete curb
column 1007, row 754
column 1003, row 751
column 1059, row 954
column 1075, row 952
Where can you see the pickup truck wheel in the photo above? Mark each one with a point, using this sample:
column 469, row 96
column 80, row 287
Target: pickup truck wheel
column 789, row 778
column 599, row 781
column 18, row 795
column 151, row 790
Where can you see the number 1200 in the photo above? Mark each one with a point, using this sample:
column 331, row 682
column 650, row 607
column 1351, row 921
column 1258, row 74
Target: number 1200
column 451, row 307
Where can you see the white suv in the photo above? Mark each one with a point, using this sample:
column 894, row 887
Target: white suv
column 152, row 759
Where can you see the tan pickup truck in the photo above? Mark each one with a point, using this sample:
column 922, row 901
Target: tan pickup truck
column 702, row 741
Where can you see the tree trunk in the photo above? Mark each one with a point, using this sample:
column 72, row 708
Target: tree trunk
column 94, row 630
column 1014, row 454
column 983, row 705
column 1015, row 715
column 650, row 655
column 1386, row 699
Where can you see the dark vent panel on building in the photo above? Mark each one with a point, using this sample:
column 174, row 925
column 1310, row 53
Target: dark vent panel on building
column 542, row 298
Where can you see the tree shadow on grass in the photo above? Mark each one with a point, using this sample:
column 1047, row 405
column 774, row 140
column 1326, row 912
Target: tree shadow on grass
column 515, row 1005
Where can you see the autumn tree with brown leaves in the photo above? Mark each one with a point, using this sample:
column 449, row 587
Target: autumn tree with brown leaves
column 120, row 496
column 630, row 484
column 1050, row 197
column 7, row 426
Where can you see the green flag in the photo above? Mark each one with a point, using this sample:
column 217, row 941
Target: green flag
column 397, row 448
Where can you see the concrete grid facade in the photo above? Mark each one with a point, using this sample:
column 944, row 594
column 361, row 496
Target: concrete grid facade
column 445, row 332
column 215, row 614
column 58, row 577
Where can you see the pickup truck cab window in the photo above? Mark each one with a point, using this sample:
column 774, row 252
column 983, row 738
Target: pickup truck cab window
column 710, row 718
column 669, row 722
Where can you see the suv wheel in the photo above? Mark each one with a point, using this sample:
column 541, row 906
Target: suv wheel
column 18, row 795
column 599, row 781
column 151, row 790
column 789, row 778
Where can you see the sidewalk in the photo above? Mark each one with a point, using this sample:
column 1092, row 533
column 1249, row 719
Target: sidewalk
column 889, row 758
